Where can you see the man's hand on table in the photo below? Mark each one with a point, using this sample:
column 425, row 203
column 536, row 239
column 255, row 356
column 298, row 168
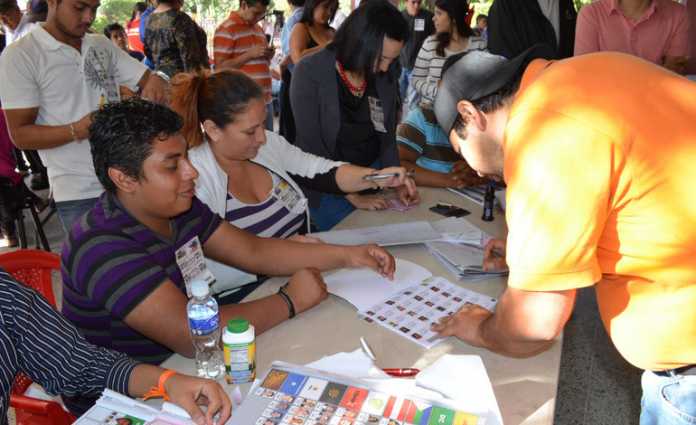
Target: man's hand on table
column 372, row 256
column 306, row 288
column 190, row 392
column 465, row 324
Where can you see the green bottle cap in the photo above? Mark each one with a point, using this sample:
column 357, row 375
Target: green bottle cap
column 238, row 325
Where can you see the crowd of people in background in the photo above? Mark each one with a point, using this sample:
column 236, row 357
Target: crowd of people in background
column 148, row 140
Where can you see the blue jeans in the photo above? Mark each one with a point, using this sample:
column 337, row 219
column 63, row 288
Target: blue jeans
column 332, row 209
column 668, row 400
column 70, row 211
column 269, row 116
column 409, row 97
column 404, row 82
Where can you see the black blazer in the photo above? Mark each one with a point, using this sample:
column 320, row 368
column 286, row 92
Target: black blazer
column 516, row 25
column 314, row 100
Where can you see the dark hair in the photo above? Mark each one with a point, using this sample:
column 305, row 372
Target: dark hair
column 457, row 10
column 140, row 6
column 112, row 28
column 481, row 16
column 308, row 12
column 358, row 42
column 39, row 11
column 489, row 103
column 122, row 134
column 297, row 3
column 8, row 5
column 252, row 3
column 218, row 97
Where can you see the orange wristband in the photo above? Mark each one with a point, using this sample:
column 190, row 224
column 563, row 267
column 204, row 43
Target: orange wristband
column 159, row 390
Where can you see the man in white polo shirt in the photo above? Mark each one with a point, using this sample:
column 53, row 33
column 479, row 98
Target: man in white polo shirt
column 51, row 81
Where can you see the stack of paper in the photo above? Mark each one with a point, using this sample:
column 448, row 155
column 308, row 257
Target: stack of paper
column 472, row 193
column 462, row 260
column 387, row 235
column 113, row 408
column 460, row 230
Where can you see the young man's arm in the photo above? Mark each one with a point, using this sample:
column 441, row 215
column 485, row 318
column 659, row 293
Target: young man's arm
column 26, row 134
column 161, row 316
column 20, row 92
column 281, row 257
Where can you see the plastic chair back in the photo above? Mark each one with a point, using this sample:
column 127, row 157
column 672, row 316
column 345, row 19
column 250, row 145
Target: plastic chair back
column 33, row 268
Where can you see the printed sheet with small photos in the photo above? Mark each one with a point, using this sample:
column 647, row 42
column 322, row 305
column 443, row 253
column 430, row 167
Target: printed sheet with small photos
column 295, row 395
column 411, row 312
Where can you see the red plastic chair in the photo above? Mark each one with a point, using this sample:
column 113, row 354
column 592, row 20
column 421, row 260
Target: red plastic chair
column 33, row 268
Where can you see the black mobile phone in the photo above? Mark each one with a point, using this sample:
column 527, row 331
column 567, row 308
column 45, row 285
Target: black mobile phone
column 449, row 210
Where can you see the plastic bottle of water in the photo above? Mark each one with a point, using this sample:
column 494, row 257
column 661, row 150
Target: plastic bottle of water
column 204, row 323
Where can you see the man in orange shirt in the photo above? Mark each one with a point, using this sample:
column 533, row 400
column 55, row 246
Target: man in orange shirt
column 240, row 43
column 599, row 181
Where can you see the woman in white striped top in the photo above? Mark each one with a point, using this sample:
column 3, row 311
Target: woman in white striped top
column 452, row 35
column 250, row 176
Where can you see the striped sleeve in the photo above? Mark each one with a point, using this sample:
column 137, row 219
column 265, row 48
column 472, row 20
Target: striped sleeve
column 421, row 69
column 52, row 352
column 112, row 270
column 224, row 43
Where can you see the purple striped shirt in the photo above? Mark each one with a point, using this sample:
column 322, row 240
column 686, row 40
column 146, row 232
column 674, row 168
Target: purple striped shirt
column 110, row 263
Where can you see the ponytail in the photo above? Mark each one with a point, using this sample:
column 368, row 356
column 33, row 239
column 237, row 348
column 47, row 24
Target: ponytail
column 218, row 97
column 185, row 95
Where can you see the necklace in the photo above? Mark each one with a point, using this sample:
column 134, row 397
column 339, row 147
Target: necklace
column 358, row 91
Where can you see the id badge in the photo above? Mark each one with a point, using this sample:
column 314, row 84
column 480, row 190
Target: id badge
column 419, row 24
column 191, row 262
column 289, row 197
column 376, row 114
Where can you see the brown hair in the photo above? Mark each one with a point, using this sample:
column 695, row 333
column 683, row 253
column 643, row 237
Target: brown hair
column 218, row 97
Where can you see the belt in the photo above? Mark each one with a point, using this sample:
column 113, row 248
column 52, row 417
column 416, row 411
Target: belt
column 685, row 370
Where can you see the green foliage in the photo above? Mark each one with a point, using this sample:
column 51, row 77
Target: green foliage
column 112, row 11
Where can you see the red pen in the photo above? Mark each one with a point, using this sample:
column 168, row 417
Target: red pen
column 401, row 372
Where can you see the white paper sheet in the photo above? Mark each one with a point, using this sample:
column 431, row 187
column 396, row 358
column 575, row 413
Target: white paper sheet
column 387, row 235
column 354, row 365
column 364, row 287
column 462, row 378
column 460, row 230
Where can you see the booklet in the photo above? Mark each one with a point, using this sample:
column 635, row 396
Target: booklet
column 113, row 408
column 409, row 304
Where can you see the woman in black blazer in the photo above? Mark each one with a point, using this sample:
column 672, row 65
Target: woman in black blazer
column 345, row 97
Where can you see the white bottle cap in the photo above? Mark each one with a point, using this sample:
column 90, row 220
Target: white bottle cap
column 199, row 288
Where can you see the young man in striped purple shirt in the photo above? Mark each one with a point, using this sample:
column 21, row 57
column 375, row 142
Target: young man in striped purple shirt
column 122, row 285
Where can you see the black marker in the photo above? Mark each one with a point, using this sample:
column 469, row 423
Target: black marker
column 488, row 202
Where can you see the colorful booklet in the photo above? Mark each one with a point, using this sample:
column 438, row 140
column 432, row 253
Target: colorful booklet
column 113, row 408
column 295, row 395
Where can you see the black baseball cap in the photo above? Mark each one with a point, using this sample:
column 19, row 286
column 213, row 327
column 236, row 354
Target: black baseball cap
column 475, row 74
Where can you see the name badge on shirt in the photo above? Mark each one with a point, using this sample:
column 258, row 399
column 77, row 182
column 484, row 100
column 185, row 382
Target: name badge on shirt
column 376, row 114
column 191, row 262
column 289, row 197
column 419, row 24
